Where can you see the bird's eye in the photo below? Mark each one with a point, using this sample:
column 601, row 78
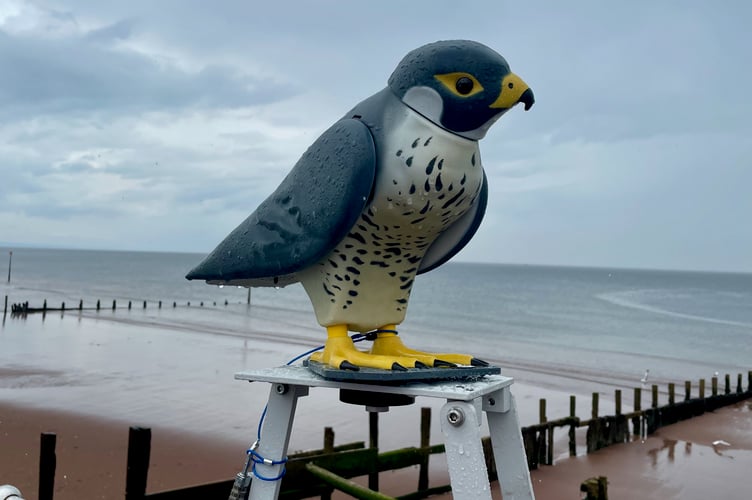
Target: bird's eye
column 464, row 85
column 510, row 85
column 460, row 83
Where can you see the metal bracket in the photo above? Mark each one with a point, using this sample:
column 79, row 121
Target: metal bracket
column 498, row 402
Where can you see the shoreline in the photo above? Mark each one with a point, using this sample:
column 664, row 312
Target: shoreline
column 678, row 461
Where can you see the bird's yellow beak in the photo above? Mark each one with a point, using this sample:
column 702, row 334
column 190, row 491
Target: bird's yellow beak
column 513, row 91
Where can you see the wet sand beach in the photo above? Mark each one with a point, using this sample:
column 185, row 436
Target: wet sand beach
column 678, row 462
column 88, row 376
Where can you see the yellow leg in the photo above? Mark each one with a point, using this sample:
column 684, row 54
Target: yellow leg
column 340, row 352
column 389, row 344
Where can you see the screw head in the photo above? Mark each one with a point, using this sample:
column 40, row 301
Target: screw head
column 280, row 388
column 455, row 416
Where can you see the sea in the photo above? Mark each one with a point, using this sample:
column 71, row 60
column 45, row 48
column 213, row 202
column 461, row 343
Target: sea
column 559, row 329
column 585, row 321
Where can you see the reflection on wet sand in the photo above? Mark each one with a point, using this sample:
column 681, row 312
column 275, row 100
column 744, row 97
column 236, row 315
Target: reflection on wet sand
column 669, row 445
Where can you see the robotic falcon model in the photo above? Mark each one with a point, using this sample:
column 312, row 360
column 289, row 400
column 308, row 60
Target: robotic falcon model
column 392, row 190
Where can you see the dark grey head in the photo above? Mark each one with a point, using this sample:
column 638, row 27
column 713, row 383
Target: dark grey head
column 460, row 85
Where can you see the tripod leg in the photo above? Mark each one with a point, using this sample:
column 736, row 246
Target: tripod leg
column 508, row 448
column 275, row 436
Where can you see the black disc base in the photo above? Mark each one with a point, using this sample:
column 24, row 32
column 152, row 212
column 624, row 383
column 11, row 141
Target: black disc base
column 375, row 399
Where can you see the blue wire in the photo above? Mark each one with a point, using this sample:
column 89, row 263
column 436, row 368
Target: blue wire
column 311, row 351
column 266, row 478
column 261, row 421
column 254, row 456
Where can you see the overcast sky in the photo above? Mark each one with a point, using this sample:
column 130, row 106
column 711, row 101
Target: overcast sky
column 160, row 125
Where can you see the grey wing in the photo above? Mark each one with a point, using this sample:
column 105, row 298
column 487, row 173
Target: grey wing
column 310, row 212
column 456, row 236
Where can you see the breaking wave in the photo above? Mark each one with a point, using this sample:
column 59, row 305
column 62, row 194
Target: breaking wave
column 624, row 299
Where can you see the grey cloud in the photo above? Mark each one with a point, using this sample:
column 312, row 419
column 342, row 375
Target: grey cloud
column 120, row 30
column 44, row 76
column 219, row 197
column 76, row 167
column 18, row 177
column 63, row 212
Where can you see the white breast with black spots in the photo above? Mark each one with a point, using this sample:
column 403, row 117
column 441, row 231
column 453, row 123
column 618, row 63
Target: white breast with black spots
column 427, row 178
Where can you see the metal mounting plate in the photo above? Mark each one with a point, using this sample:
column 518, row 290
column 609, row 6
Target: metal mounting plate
column 462, row 390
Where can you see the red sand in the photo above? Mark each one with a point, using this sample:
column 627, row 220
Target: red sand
column 91, row 455
column 679, row 462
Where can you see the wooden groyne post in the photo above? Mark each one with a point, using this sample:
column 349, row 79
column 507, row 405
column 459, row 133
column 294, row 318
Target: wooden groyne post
column 10, row 263
column 47, row 465
column 425, row 442
column 595, row 488
column 573, row 426
column 637, row 429
column 607, row 430
column 538, row 439
column 671, row 393
column 345, row 485
column 139, row 451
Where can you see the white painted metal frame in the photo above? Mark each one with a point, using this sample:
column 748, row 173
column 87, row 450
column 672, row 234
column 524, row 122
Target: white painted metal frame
column 461, row 418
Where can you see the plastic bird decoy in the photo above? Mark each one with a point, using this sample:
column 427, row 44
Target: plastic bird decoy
column 392, row 190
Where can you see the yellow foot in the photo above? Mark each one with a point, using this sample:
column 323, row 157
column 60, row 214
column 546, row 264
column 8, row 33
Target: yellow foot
column 340, row 352
column 389, row 344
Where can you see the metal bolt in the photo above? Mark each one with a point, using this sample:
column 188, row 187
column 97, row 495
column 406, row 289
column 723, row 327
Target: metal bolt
column 455, row 416
column 491, row 401
column 280, row 388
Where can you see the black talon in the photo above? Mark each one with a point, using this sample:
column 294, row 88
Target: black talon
column 440, row 363
column 398, row 367
column 478, row 362
column 346, row 365
column 420, row 365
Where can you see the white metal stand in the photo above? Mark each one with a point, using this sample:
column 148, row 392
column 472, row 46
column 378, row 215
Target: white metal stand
column 461, row 418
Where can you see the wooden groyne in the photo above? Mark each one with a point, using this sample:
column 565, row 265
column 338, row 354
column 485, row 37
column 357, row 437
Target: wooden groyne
column 320, row 472
column 607, row 430
column 23, row 308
